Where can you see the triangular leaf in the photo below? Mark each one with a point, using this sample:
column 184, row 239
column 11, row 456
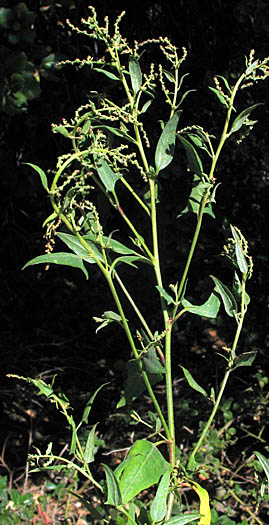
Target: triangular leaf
column 145, row 467
column 152, row 363
column 245, row 359
column 209, row 309
column 135, row 383
column 166, row 144
column 199, row 188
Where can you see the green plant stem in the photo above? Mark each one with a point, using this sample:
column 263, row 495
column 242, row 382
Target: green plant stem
column 136, row 354
column 222, row 141
column 225, row 379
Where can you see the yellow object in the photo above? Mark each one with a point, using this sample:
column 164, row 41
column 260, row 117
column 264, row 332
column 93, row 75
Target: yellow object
column 204, row 503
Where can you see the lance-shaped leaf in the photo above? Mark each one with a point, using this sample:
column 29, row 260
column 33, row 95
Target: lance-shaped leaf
column 88, row 407
column 109, row 243
column 192, row 383
column 240, row 257
column 209, row 309
column 75, row 245
column 183, row 519
column 41, row 173
column 194, row 161
column 228, row 299
column 166, row 144
column 116, row 131
column 106, row 174
column 90, row 445
column 135, row 74
column 113, row 490
column 158, row 507
column 62, row 258
column 241, row 119
column 237, row 289
column 264, row 463
column 106, row 73
column 221, row 98
column 144, row 466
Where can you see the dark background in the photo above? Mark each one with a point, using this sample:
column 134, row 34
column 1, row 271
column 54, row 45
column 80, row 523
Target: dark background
column 46, row 317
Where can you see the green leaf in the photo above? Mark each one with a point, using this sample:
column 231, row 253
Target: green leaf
column 168, row 298
column 219, row 95
column 183, row 519
column 264, row 463
column 130, row 259
column 146, row 106
column 166, row 144
column 152, row 363
column 228, row 299
column 192, row 383
column 144, row 467
column 198, row 191
column 62, row 258
column 107, row 176
column 6, row 17
column 169, row 76
column 158, row 507
column 135, row 73
column 237, row 289
column 88, row 407
column 135, row 383
column 194, row 161
column 241, row 119
column 109, row 243
column 89, row 447
column 245, row 359
column 240, row 257
column 62, row 130
column 51, row 218
column 75, row 245
column 41, row 173
column 118, row 132
column 107, row 73
column 113, row 489
column 209, row 309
